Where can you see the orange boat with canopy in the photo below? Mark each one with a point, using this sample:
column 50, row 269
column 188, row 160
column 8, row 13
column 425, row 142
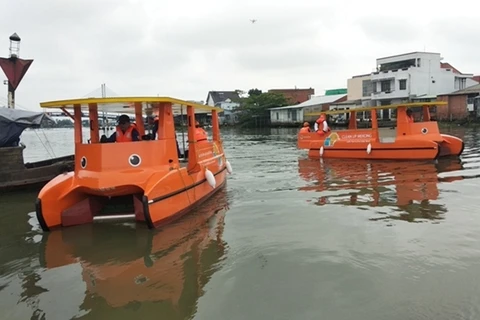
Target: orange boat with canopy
column 409, row 141
column 145, row 180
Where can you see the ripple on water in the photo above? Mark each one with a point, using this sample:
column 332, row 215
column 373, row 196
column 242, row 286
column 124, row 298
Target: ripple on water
column 302, row 239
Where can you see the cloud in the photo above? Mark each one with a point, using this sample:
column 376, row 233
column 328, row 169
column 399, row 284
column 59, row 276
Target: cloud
column 187, row 48
column 388, row 30
column 457, row 40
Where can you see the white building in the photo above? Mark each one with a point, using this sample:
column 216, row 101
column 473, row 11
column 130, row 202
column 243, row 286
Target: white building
column 294, row 114
column 228, row 101
column 414, row 76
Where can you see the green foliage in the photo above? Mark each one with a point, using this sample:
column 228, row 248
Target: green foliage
column 254, row 111
column 254, row 92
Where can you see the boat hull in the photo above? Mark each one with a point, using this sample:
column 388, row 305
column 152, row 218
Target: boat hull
column 159, row 203
column 400, row 150
column 16, row 176
column 451, row 146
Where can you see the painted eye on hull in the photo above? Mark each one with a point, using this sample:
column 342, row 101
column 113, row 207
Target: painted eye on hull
column 134, row 160
column 83, row 162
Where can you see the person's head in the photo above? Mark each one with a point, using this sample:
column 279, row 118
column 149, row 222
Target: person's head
column 197, row 124
column 124, row 122
column 306, row 124
column 409, row 112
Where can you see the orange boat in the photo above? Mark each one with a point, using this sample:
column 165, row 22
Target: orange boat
column 409, row 141
column 147, row 177
column 164, row 270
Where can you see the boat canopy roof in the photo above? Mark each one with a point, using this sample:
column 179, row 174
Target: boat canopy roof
column 14, row 121
column 390, row 106
column 126, row 104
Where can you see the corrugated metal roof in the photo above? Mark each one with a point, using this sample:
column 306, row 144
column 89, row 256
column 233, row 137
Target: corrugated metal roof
column 315, row 100
column 472, row 89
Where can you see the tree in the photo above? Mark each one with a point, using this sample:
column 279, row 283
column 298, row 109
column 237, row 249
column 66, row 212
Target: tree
column 254, row 109
column 254, row 92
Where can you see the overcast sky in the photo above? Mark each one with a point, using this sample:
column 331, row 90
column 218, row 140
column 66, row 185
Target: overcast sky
column 185, row 48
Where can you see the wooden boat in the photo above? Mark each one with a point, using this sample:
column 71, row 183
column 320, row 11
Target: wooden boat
column 167, row 269
column 409, row 141
column 143, row 180
column 15, row 174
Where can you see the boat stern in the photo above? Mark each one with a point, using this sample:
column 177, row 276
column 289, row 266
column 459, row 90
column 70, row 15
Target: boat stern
column 451, row 146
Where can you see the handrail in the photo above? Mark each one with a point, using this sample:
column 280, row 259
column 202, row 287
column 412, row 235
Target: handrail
column 391, row 106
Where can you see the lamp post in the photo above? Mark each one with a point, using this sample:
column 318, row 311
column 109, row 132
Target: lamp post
column 14, row 68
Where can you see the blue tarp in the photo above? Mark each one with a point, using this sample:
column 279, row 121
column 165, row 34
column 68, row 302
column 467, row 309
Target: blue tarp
column 14, row 121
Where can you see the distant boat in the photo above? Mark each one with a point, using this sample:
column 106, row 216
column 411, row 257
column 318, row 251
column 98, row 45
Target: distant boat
column 14, row 173
column 419, row 140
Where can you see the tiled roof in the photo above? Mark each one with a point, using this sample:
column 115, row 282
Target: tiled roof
column 446, row 65
column 219, row 96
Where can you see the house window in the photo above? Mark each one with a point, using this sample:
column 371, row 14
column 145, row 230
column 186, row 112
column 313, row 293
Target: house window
column 402, row 84
column 385, row 86
column 385, row 114
column 277, row 114
column 294, row 115
column 367, row 88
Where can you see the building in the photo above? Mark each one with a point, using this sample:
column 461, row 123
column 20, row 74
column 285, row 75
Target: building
column 229, row 101
column 415, row 76
column 461, row 104
column 294, row 114
column 295, row 96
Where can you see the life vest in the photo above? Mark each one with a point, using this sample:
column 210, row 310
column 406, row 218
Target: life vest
column 320, row 119
column 125, row 137
column 200, row 135
column 320, row 122
column 305, row 130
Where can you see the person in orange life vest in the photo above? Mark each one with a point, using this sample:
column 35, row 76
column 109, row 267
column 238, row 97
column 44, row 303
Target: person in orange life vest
column 410, row 116
column 200, row 134
column 306, row 128
column 321, row 125
column 126, row 131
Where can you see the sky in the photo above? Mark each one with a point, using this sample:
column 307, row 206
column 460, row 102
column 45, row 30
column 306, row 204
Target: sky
column 184, row 49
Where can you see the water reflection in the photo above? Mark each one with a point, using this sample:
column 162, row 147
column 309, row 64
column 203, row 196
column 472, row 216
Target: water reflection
column 397, row 190
column 133, row 272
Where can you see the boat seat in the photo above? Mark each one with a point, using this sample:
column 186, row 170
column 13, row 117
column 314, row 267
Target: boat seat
column 387, row 135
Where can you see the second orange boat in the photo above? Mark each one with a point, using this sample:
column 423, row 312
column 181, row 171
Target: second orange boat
column 411, row 140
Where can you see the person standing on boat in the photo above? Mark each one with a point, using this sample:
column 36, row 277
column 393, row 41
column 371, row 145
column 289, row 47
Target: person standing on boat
column 200, row 133
column 321, row 122
column 306, row 128
column 126, row 131
column 410, row 116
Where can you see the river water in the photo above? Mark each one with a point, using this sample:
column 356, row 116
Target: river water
column 289, row 238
